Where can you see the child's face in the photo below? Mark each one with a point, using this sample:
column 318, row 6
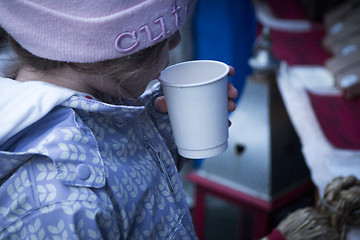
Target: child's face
column 136, row 84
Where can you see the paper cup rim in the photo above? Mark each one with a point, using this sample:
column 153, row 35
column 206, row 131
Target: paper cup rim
column 197, row 83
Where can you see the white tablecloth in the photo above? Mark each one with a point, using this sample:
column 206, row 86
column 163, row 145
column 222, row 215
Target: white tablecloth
column 324, row 161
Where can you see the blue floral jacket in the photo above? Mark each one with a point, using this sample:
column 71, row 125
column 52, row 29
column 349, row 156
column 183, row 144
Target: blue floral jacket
column 78, row 168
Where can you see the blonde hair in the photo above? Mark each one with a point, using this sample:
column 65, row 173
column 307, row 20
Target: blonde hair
column 119, row 68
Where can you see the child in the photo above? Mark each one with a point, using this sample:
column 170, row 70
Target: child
column 84, row 153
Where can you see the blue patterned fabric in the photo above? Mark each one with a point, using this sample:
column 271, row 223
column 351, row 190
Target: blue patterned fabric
column 92, row 170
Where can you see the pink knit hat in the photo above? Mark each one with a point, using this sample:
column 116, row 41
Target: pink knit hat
column 91, row 30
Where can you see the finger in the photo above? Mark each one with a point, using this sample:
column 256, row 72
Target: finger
column 231, row 106
column 231, row 71
column 232, row 91
column 160, row 104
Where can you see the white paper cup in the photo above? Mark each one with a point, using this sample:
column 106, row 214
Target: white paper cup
column 197, row 101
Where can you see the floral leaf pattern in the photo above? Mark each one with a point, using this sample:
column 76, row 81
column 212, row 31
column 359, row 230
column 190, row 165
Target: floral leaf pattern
column 91, row 176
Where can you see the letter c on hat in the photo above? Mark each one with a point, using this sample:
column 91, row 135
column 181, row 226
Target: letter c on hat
column 121, row 37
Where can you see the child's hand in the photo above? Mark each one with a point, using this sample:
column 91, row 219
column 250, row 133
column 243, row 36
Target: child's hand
column 160, row 103
column 232, row 92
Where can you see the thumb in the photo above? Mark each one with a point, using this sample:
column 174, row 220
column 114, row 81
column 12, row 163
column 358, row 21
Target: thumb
column 160, row 104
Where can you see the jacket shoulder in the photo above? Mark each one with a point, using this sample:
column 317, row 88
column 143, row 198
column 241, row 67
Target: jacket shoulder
column 68, row 142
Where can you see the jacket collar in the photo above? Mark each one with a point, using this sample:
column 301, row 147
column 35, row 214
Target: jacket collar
column 23, row 103
column 36, row 102
column 34, row 99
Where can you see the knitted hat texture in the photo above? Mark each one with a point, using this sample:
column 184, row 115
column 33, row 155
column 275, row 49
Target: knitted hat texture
column 91, row 30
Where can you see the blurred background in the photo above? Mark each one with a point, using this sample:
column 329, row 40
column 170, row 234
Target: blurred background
column 268, row 171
